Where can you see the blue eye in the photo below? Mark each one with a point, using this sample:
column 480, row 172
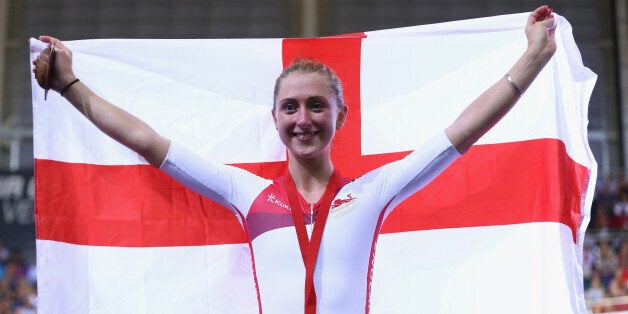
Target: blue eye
column 289, row 107
column 317, row 106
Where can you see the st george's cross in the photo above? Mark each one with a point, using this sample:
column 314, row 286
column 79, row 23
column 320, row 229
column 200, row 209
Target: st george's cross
column 529, row 177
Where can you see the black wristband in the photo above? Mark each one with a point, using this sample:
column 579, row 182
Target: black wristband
column 68, row 86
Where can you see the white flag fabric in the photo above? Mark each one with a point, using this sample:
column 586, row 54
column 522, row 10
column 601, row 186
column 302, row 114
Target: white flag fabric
column 501, row 230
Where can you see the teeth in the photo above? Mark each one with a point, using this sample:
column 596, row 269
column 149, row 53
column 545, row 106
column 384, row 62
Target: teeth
column 304, row 136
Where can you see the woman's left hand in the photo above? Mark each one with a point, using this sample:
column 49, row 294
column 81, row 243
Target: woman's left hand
column 540, row 32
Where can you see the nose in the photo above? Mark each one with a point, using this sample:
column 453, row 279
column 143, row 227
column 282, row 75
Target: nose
column 304, row 120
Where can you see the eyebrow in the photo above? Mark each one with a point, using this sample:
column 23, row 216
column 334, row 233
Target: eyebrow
column 318, row 98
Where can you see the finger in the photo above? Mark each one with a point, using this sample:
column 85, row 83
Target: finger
column 549, row 12
column 552, row 24
column 46, row 39
column 59, row 44
column 551, row 31
column 51, row 40
column 537, row 14
column 541, row 13
column 548, row 23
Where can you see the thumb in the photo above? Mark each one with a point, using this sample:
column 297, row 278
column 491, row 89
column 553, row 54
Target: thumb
column 549, row 23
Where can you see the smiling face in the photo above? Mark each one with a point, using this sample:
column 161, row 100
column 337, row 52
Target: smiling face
column 307, row 115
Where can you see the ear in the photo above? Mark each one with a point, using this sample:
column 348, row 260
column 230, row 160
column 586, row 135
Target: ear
column 342, row 117
column 272, row 112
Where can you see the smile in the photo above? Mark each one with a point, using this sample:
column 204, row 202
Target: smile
column 304, row 136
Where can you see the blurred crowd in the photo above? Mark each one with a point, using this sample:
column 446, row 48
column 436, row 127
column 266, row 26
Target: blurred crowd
column 605, row 255
column 18, row 283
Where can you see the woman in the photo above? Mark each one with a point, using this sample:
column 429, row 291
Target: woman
column 312, row 196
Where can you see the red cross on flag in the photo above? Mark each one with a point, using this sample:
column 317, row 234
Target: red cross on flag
column 501, row 230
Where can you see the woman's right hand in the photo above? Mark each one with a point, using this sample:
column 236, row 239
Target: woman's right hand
column 113, row 121
column 62, row 73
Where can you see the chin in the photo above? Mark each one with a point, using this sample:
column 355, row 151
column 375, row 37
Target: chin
column 306, row 155
column 311, row 150
column 311, row 153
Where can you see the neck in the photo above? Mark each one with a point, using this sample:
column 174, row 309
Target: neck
column 310, row 176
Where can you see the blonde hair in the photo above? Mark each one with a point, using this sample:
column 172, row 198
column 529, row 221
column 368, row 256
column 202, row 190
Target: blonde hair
column 312, row 66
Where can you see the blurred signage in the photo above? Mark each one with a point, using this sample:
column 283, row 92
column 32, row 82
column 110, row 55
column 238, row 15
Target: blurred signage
column 16, row 199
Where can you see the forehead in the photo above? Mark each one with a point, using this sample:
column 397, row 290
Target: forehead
column 301, row 84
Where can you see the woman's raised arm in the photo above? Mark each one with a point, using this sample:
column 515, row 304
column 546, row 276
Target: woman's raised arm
column 485, row 111
column 113, row 121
